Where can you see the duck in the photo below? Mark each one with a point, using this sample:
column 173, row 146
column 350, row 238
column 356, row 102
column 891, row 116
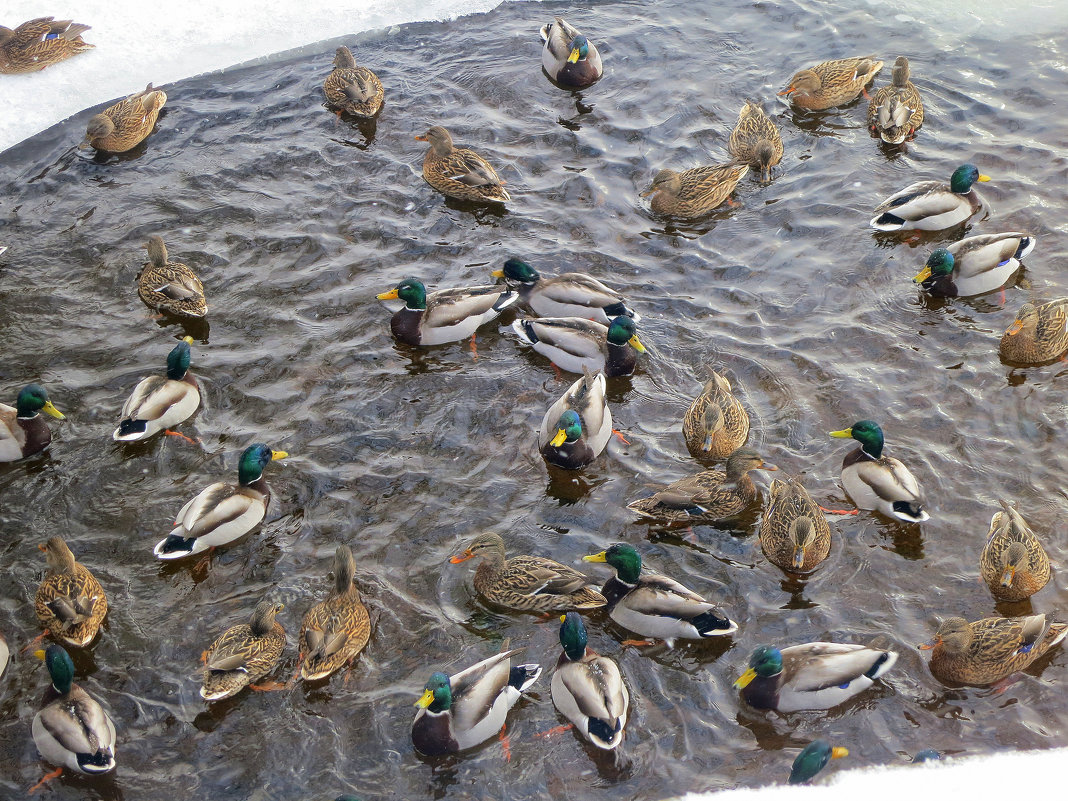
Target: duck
column 243, row 654
column 351, row 89
column 447, row 315
column 588, row 688
column 576, row 428
column 5, row 654
column 465, row 709
column 927, row 755
column 460, row 173
column 22, row 431
column 755, row 140
column 124, row 125
column 932, row 205
column 527, row 583
column 794, row 534
column 813, row 675
column 1038, row 334
column 895, row 112
column 334, row 631
column 1013, row 562
column 70, row 603
column 986, row 651
column 879, row 482
column 223, row 512
column 654, row 605
column 40, row 43
column 831, row 83
column 814, row 758
column 708, row 496
column 169, row 286
column 716, row 424
column 693, row 193
column 569, row 58
column 975, row 265
column 161, row 401
column 576, row 345
column 564, row 295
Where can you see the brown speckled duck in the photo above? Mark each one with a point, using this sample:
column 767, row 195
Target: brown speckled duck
column 1013, row 563
column 755, row 140
column 831, row 83
column 125, row 124
column 169, row 286
column 334, row 631
column 693, row 193
column 716, row 424
column 39, row 43
column 460, row 173
column 895, row 112
column 1038, row 334
column 354, row 90
column 243, row 654
column 794, row 533
column 70, row 603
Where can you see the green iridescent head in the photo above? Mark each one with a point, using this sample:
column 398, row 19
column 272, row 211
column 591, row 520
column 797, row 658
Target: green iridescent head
column 33, row 399
column 813, row 758
column 60, row 667
column 516, row 270
column 568, row 428
column 766, row 661
column 253, row 460
column 573, row 636
column 867, row 433
column 580, row 48
column 437, row 693
column 411, row 291
column 623, row 331
column 964, row 176
column 178, row 359
column 623, row 558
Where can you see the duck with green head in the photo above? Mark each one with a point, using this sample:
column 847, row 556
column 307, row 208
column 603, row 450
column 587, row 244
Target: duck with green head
column 577, row 345
column 814, row 758
column 22, row 430
column 564, row 295
column 974, row 265
column 931, row 205
column 161, row 401
column 569, row 58
column 577, row 427
column 879, row 482
column 447, row 315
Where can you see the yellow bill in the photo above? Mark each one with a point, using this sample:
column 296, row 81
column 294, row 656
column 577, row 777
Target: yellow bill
column 49, row 408
column 922, row 275
column 845, row 433
column 744, row 680
column 637, row 344
column 276, row 455
column 596, row 557
column 559, row 439
column 425, row 700
column 393, row 294
column 574, row 57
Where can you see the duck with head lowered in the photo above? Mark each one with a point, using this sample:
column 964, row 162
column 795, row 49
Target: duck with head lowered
column 879, row 482
column 447, row 315
column 22, row 431
column 577, row 427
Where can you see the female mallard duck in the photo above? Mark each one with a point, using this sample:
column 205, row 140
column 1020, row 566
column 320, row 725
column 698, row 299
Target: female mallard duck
column 159, row 402
column 334, row 631
column 974, row 265
column 460, row 173
column 831, row 83
column 577, row 345
column 125, row 124
column 693, row 193
column 460, row 711
column 223, row 512
column 755, row 140
column 352, row 89
column 243, row 654
column 447, row 315
column 879, row 482
column 527, row 583
column 588, row 688
column 1038, row 334
column 989, row 650
column 716, row 424
column 564, row 295
column 814, row 675
column 707, row 496
column 895, row 112
column 931, row 205
column 1013, row 563
column 578, row 426
column 70, row 603
column 169, row 286
column 568, row 57
column 814, row 758
column 22, row 431
column 654, row 605
column 794, row 533
column 40, row 43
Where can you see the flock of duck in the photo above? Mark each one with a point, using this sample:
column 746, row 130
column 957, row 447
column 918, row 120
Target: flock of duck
column 585, row 327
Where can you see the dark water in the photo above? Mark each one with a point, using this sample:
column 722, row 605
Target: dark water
column 296, row 220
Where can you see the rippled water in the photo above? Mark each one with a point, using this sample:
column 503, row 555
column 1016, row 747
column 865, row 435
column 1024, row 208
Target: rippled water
column 295, row 220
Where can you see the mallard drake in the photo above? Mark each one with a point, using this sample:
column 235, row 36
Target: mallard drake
column 568, row 57
column 931, row 205
column 160, row 401
column 577, row 427
column 814, row 675
column 588, row 688
column 244, row 653
column 755, row 140
column 458, row 172
column 223, row 512
column 895, row 112
column 707, row 496
column 974, row 265
column 169, row 286
column 577, row 345
column 693, row 193
column 1038, row 334
column 40, row 43
column 879, row 482
column 1013, row 563
column 125, row 124
column 653, row 605
column 22, row 431
column 352, row 89
column 564, row 295
column 831, row 83
column 334, row 631
column 70, row 603
column 460, row 711
column 716, row 424
column 794, row 533
column 986, row 651
column 447, row 315
column 814, row 758
column 527, row 583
